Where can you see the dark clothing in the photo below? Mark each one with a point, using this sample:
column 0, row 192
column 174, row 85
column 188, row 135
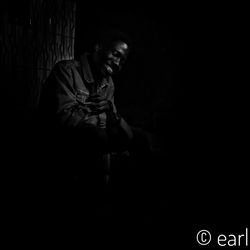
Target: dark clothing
column 64, row 109
column 76, row 138
column 64, row 99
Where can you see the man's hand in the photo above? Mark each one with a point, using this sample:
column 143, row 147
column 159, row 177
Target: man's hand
column 99, row 104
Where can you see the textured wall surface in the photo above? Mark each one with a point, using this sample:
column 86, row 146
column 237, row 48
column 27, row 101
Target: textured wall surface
column 35, row 34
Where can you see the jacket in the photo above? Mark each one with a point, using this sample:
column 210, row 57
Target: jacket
column 64, row 95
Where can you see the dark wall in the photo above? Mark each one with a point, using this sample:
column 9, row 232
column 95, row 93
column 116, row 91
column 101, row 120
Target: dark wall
column 34, row 35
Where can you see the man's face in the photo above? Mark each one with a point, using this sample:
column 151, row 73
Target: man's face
column 114, row 58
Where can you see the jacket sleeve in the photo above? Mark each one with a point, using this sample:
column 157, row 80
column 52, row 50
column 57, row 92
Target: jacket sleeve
column 60, row 97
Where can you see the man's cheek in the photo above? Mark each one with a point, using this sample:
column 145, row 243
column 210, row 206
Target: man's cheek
column 109, row 60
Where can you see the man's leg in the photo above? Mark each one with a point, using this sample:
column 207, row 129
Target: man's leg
column 132, row 177
column 140, row 160
column 82, row 180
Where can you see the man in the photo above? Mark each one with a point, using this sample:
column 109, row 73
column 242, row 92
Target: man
column 80, row 94
column 82, row 124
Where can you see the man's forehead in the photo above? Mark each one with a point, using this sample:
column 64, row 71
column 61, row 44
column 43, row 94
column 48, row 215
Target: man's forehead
column 120, row 45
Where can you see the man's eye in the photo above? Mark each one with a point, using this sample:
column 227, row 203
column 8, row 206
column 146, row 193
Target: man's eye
column 115, row 53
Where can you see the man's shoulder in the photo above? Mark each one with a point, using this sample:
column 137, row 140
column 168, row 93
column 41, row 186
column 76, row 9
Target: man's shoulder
column 67, row 64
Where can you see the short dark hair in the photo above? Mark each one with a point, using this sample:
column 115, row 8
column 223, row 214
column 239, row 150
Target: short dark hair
column 107, row 37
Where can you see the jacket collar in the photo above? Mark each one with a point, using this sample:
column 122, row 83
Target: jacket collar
column 87, row 73
column 85, row 67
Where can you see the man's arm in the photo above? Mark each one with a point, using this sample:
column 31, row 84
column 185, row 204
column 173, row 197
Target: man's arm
column 60, row 97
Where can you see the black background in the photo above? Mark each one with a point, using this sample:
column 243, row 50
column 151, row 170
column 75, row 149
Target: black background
column 184, row 83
